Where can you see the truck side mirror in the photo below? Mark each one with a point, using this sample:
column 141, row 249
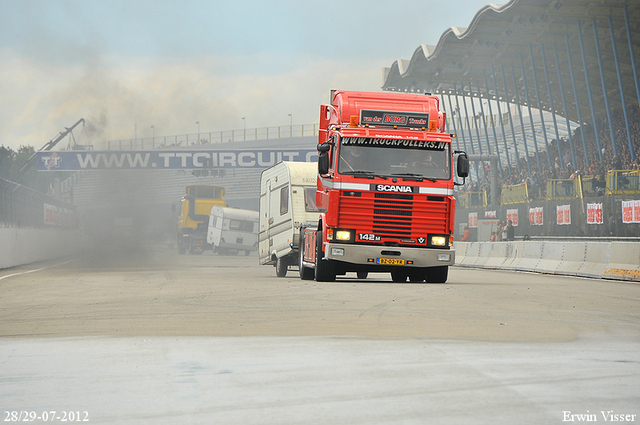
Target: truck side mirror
column 324, row 147
column 463, row 165
column 323, row 163
column 323, row 157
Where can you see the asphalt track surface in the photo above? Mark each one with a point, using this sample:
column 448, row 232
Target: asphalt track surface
column 152, row 337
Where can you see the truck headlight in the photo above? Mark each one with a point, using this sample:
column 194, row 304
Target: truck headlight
column 438, row 241
column 343, row 235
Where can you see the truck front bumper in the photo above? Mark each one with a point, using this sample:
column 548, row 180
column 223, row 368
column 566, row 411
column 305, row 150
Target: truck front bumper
column 371, row 255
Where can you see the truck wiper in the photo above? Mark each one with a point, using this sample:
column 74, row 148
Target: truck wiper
column 367, row 174
column 413, row 176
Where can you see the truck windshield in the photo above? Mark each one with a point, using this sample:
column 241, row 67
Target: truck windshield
column 387, row 157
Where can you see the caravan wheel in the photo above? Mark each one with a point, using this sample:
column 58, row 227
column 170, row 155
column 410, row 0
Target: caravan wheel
column 281, row 267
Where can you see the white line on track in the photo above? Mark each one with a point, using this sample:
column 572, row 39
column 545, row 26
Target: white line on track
column 34, row 270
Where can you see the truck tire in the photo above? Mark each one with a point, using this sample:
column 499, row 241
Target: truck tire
column 325, row 269
column 281, row 267
column 437, row 274
column 306, row 273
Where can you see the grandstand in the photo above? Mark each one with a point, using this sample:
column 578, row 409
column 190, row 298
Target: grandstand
column 552, row 88
column 570, row 62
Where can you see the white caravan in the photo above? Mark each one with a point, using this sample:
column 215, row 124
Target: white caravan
column 287, row 199
column 232, row 230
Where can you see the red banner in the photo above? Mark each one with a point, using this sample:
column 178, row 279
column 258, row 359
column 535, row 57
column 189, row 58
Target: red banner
column 513, row 216
column 536, row 216
column 563, row 213
column 630, row 212
column 594, row 214
column 473, row 219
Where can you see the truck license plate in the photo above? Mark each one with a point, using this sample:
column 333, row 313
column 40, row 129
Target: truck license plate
column 391, row 261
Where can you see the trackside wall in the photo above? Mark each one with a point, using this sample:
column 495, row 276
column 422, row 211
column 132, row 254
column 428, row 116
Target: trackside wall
column 23, row 246
column 605, row 260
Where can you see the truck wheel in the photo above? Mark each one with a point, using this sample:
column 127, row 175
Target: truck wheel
column 399, row 276
column 181, row 249
column 362, row 275
column 325, row 269
column 281, row 267
column 306, row 273
column 437, row 274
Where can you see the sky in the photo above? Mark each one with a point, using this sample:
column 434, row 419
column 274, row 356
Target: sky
column 141, row 67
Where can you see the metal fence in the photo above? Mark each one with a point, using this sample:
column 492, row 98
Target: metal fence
column 227, row 136
column 23, row 207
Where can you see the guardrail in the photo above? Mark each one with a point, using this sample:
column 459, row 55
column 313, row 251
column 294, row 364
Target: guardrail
column 604, row 260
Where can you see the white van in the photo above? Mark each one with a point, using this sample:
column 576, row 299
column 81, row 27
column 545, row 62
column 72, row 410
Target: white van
column 232, row 230
column 287, row 200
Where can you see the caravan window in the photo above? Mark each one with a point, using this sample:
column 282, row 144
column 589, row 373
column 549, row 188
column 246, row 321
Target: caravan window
column 284, row 200
column 310, row 199
column 241, row 225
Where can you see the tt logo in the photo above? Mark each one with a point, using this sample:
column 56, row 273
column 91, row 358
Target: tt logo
column 51, row 161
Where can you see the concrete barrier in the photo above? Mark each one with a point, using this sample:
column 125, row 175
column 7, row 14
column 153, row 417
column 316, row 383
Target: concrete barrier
column 496, row 254
column 24, row 246
column 624, row 254
column 605, row 260
column 552, row 256
column 597, row 257
column 572, row 258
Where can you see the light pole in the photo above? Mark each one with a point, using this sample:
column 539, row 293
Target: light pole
column 198, row 140
column 290, row 125
column 153, row 139
column 244, row 127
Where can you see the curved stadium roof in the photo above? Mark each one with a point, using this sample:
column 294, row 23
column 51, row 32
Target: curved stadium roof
column 543, row 46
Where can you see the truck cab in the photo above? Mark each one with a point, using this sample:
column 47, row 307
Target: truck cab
column 385, row 188
column 195, row 208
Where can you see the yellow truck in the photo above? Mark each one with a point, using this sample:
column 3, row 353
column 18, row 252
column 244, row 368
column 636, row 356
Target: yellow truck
column 195, row 208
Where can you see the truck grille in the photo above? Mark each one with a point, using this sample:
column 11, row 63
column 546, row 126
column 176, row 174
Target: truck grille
column 394, row 215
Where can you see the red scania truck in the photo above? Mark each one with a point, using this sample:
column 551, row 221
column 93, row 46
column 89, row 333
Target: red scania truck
column 384, row 188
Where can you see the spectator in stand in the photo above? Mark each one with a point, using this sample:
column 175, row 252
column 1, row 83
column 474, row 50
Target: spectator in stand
column 583, row 136
column 510, row 231
column 617, row 164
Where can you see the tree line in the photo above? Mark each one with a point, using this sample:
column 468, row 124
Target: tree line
column 12, row 161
